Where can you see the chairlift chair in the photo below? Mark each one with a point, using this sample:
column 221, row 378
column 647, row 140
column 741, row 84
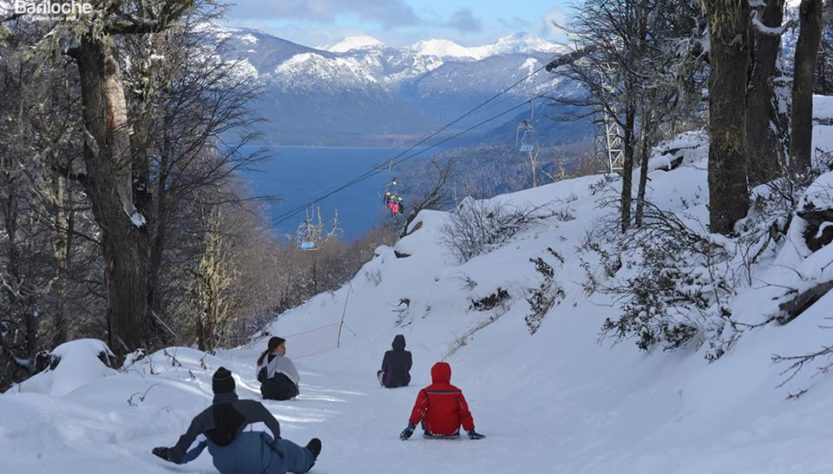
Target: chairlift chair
column 309, row 234
column 525, row 137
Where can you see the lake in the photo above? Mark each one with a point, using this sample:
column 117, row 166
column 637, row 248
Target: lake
column 296, row 175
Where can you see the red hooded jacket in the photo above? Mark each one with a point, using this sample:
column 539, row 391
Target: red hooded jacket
column 441, row 406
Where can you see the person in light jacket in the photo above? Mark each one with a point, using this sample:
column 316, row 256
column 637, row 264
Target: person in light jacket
column 277, row 374
column 220, row 428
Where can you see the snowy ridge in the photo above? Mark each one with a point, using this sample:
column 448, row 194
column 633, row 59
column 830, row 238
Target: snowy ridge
column 370, row 92
column 519, row 43
column 555, row 401
column 444, row 49
column 339, row 72
column 355, row 42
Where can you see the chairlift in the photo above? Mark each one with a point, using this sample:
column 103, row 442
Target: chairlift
column 309, row 233
column 393, row 201
column 525, row 137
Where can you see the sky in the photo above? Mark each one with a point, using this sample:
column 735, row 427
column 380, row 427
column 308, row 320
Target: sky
column 400, row 22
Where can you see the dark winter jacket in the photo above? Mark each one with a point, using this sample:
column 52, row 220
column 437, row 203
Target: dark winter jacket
column 237, row 415
column 234, row 451
column 396, row 364
column 441, row 407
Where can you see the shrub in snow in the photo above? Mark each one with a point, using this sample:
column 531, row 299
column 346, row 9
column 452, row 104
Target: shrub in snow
column 477, row 227
column 403, row 311
column 490, row 301
column 546, row 295
column 674, row 288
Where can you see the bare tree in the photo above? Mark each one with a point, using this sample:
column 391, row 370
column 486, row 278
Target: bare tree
column 435, row 197
column 111, row 180
column 625, row 51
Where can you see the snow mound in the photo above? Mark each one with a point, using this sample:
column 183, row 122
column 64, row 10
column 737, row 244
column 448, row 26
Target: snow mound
column 685, row 148
column 79, row 363
column 819, row 194
column 823, row 108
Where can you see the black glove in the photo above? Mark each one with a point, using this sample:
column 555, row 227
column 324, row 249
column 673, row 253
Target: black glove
column 475, row 435
column 162, row 452
column 407, row 432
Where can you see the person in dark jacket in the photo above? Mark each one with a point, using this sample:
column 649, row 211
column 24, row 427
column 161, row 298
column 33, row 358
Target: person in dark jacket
column 220, row 428
column 396, row 365
column 277, row 374
column 441, row 408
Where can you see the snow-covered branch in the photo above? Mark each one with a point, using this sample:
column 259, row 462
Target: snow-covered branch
column 760, row 27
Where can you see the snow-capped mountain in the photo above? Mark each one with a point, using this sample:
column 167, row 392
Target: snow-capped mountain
column 355, row 42
column 360, row 91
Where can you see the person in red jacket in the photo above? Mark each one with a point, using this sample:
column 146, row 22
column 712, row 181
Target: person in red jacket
column 442, row 408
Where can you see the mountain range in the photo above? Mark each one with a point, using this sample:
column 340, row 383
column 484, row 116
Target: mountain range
column 360, row 92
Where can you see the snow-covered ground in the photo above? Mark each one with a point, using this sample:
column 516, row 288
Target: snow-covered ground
column 553, row 402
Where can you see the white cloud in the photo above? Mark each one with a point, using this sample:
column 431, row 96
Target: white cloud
column 547, row 26
column 388, row 13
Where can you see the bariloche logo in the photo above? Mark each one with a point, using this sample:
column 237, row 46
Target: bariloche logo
column 52, row 9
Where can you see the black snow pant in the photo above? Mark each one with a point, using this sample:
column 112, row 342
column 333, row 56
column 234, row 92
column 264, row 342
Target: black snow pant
column 279, row 387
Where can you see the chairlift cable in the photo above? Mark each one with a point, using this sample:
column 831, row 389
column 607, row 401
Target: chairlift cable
column 391, row 161
column 288, row 214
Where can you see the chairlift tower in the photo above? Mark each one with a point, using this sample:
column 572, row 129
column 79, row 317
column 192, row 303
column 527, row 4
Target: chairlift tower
column 613, row 141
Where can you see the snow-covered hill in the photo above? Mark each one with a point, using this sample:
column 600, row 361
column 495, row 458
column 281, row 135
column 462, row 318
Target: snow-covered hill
column 556, row 401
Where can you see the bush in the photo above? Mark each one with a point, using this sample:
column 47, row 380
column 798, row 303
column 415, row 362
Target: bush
column 488, row 302
column 546, row 295
column 477, row 227
column 679, row 291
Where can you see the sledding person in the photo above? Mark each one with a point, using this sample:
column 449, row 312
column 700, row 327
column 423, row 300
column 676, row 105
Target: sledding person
column 442, row 408
column 220, row 428
column 277, row 374
column 396, row 365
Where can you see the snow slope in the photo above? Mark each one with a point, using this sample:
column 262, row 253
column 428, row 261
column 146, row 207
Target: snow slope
column 553, row 402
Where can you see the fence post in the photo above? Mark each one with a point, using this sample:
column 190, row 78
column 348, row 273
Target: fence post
column 343, row 313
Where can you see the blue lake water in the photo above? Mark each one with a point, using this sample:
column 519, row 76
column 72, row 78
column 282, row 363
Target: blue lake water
column 299, row 175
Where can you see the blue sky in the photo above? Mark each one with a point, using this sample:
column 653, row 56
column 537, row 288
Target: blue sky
column 400, row 22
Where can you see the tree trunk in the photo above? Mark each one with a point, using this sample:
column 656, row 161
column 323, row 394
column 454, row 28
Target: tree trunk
column 108, row 183
column 627, row 167
column 62, row 241
column 647, row 132
column 160, row 221
column 729, row 26
column 806, row 48
column 761, row 136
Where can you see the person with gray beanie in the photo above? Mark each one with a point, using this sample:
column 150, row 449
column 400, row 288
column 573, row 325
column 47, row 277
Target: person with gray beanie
column 234, row 451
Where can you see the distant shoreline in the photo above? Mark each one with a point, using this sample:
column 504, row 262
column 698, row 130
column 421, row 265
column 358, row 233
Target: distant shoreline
column 348, row 147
